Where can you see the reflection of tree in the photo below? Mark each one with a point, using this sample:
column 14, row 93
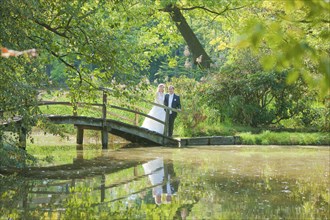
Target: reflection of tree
column 12, row 191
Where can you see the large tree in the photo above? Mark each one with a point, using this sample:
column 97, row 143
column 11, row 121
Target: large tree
column 291, row 35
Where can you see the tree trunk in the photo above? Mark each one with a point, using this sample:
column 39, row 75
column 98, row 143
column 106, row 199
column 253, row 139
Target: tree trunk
column 189, row 36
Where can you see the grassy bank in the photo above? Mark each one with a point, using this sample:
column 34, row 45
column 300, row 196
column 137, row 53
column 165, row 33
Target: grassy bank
column 255, row 136
column 285, row 138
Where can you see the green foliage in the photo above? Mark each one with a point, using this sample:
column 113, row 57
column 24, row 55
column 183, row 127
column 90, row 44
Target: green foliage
column 58, row 74
column 78, row 205
column 296, row 34
column 12, row 156
column 247, row 95
column 193, row 112
column 20, row 78
column 12, row 190
column 175, row 68
column 315, row 117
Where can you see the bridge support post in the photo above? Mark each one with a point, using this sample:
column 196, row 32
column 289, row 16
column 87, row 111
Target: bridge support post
column 167, row 116
column 80, row 135
column 104, row 138
column 104, row 127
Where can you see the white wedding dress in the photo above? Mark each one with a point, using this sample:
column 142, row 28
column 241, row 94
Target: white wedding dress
column 156, row 112
column 155, row 170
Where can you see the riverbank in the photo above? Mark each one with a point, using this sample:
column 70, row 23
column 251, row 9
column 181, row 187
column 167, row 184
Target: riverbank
column 285, row 138
column 243, row 138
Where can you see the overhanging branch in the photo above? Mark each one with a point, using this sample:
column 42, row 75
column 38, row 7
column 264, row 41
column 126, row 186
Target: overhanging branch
column 48, row 27
column 211, row 11
column 67, row 64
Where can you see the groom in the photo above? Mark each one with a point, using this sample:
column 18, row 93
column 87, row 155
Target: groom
column 173, row 101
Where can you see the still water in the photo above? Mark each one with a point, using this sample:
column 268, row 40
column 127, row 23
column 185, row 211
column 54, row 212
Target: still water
column 220, row 182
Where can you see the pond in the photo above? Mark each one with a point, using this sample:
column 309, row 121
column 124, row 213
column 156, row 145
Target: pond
column 203, row 182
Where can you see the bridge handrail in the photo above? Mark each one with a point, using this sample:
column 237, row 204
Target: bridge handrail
column 136, row 112
column 67, row 103
column 104, row 89
column 97, row 104
column 113, row 106
column 162, row 106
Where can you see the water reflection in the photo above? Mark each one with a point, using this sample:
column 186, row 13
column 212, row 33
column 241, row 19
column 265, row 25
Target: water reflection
column 162, row 179
column 201, row 183
column 105, row 181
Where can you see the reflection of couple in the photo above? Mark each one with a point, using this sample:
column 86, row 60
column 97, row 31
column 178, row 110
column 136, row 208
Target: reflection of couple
column 160, row 177
column 170, row 100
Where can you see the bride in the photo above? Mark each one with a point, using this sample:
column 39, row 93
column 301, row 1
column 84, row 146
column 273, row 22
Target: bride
column 156, row 112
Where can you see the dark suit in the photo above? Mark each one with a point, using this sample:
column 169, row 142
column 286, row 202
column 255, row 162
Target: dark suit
column 175, row 104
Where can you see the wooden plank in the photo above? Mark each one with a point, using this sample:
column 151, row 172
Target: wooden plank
column 222, row 140
column 197, row 141
column 211, row 140
column 167, row 117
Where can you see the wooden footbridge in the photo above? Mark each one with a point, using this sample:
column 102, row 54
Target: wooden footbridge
column 112, row 121
column 129, row 131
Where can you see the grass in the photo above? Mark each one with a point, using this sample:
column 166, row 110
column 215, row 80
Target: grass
column 252, row 136
column 285, row 138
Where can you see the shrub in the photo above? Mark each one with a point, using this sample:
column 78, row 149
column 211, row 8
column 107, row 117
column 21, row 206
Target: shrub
column 12, row 156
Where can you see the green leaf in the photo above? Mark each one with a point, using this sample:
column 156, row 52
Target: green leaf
column 292, row 77
column 268, row 62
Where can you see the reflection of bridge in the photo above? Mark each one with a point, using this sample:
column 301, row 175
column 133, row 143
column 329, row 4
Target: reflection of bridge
column 126, row 130
column 104, row 180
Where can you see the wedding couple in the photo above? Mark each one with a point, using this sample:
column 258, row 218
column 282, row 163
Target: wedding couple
column 170, row 100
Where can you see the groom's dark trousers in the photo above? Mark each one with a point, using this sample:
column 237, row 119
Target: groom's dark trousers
column 171, row 124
